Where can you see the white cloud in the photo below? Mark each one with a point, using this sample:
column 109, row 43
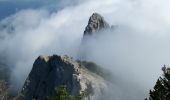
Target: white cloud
column 135, row 51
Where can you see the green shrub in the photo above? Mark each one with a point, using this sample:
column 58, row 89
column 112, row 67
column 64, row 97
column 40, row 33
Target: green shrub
column 62, row 94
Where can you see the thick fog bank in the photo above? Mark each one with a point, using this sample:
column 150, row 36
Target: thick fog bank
column 134, row 51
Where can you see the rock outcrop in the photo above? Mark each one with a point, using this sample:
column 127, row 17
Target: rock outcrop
column 3, row 90
column 96, row 23
column 53, row 71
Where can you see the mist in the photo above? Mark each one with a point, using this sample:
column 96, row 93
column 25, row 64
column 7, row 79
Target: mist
column 134, row 51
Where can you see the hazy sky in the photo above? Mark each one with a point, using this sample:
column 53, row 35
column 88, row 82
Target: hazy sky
column 135, row 51
column 9, row 7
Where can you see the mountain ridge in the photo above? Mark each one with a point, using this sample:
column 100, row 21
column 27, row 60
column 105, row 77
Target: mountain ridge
column 53, row 71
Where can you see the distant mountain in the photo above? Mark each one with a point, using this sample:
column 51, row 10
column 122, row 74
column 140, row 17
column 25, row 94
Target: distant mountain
column 96, row 23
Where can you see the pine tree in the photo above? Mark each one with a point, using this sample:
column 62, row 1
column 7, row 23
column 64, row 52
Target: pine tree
column 61, row 94
column 162, row 88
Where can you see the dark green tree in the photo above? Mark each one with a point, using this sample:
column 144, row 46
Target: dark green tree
column 161, row 90
column 62, row 94
column 79, row 97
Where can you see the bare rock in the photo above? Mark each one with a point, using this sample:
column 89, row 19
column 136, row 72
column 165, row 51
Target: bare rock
column 53, row 71
column 3, row 90
column 95, row 24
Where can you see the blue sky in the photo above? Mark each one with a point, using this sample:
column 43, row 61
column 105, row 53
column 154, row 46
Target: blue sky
column 8, row 7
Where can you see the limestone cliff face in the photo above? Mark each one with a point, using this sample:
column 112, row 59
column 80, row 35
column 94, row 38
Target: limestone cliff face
column 53, row 71
column 96, row 23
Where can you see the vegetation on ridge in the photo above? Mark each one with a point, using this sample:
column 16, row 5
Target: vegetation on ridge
column 62, row 94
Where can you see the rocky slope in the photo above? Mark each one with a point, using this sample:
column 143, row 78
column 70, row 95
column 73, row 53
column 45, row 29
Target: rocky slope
column 96, row 23
column 4, row 79
column 53, row 71
column 3, row 90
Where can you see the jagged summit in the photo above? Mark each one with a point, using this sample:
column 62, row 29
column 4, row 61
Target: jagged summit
column 53, row 71
column 95, row 24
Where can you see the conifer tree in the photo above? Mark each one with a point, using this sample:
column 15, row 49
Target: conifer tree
column 61, row 94
column 161, row 90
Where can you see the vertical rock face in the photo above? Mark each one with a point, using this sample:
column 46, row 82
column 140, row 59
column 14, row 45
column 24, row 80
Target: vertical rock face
column 53, row 71
column 95, row 24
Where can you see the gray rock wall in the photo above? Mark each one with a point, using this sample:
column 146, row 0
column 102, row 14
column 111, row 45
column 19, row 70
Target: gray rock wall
column 53, row 71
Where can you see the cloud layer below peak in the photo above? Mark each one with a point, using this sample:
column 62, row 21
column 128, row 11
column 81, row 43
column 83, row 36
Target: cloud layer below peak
column 134, row 51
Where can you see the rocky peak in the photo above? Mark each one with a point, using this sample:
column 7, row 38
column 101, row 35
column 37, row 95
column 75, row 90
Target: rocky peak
column 95, row 24
column 53, row 71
